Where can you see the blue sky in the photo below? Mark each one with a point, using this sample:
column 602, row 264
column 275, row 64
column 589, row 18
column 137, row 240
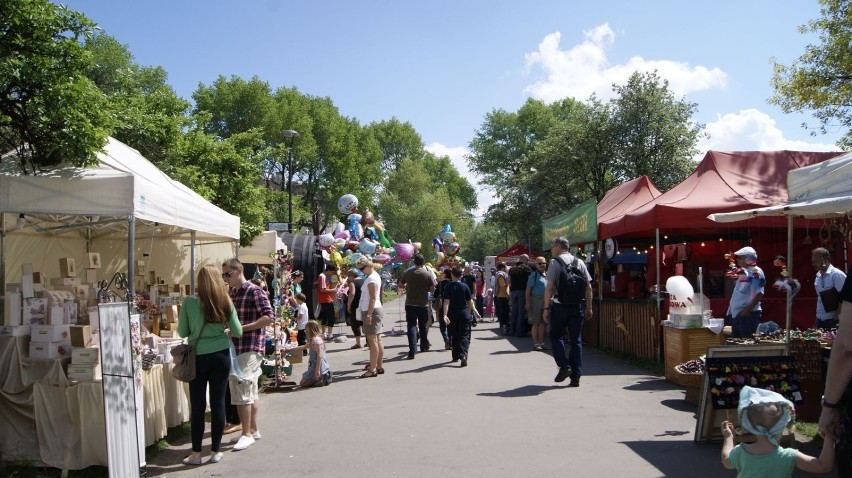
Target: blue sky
column 443, row 65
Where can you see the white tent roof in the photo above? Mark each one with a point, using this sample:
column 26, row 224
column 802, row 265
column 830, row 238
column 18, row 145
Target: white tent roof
column 124, row 184
column 822, row 190
column 262, row 245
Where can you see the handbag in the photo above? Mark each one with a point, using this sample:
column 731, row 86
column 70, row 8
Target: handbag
column 184, row 359
column 830, row 299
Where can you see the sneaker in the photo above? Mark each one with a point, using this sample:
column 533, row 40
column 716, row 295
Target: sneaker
column 216, row 457
column 574, row 383
column 464, row 362
column 410, row 356
column 564, row 372
column 447, row 345
column 256, row 435
column 244, row 442
column 537, row 347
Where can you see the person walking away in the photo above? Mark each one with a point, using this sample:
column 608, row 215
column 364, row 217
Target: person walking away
column 352, row 301
column 255, row 314
column 744, row 310
column 437, row 305
column 301, row 319
column 765, row 415
column 479, row 292
column 535, row 302
column 501, row 297
column 457, row 310
column 371, row 314
column 417, row 284
column 567, row 303
column 518, row 277
column 835, row 421
column 469, row 280
column 325, row 298
column 203, row 320
column 828, row 284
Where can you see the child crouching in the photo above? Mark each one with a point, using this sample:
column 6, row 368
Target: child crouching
column 318, row 373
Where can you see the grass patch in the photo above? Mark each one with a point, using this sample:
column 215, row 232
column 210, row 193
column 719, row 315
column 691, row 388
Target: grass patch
column 807, row 429
column 653, row 367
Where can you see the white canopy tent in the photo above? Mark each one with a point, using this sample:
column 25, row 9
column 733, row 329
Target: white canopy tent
column 820, row 191
column 108, row 201
column 261, row 247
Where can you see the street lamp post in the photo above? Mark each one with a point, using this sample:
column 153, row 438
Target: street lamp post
column 289, row 138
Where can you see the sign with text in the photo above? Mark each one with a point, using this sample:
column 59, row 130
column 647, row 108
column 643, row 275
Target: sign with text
column 578, row 225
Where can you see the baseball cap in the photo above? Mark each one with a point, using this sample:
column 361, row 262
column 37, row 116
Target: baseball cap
column 746, row 251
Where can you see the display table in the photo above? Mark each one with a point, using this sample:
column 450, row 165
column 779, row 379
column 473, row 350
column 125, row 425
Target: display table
column 46, row 419
column 682, row 345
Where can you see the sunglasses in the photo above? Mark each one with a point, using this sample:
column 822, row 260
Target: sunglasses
column 227, row 275
column 362, row 268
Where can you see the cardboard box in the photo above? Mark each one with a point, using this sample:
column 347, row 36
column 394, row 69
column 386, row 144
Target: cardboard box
column 71, row 311
column 65, row 281
column 51, row 333
column 50, row 350
column 14, row 330
column 167, row 334
column 295, row 357
column 91, row 276
column 81, row 336
column 67, row 267
column 172, row 314
column 152, row 278
column 34, row 312
column 84, row 371
column 140, row 268
column 38, row 278
column 27, row 269
column 13, row 287
column 12, row 309
column 87, row 355
column 27, row 286
column 94, row 321
column 94, row 260
column 57, row 315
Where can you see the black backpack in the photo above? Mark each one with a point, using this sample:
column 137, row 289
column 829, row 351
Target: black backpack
column 571, row 283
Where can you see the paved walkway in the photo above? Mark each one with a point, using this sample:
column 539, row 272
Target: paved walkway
column 502, row 416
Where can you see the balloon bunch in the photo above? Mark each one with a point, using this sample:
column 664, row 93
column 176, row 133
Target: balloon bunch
column 362, row 235
column 785, row 283
column 446, row 248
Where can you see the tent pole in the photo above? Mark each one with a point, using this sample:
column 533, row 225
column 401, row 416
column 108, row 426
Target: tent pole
column 192, row 263
column 790, row 270
column 131, row 257
column 659, row 289
column 3, row 257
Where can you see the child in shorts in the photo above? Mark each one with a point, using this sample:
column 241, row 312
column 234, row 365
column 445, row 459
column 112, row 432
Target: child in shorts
column 766, row 414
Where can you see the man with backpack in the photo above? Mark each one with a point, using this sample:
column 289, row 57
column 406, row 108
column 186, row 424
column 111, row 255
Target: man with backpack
column 567, row 304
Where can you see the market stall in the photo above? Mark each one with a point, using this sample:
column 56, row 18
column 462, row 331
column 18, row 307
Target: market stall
column 122, row 215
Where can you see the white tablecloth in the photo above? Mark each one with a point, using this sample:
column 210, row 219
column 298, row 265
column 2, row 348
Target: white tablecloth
column 44, row 418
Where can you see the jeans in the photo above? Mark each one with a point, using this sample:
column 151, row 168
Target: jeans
column 214, row 369
column 567, row 320
column 518, row 320
column 480, row 305
column 745, row 327
column 417, row 320
column 460, row 333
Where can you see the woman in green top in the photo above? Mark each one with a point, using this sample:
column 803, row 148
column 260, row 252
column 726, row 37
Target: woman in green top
column 208, row 316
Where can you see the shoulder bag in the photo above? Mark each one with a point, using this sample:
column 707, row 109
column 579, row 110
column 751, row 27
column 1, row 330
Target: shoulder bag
column 184, row 359
column 830, row 299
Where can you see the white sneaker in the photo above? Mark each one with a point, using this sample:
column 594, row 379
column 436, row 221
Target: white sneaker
column 256, row 435
column 243, row 443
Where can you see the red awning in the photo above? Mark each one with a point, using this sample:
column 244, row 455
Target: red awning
column 722, row 182
column 625, row 198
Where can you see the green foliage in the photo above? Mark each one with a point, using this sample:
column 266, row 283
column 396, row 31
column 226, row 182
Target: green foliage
column 821, row 79
column 486, row 239
column 398, row 142
column 50, row 112
column 150, row 115
column 234, row 105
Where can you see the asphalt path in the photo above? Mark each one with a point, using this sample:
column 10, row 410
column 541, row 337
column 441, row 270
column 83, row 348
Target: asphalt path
column 501, row 416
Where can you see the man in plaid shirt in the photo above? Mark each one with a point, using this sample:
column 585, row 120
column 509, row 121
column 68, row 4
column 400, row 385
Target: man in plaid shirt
column 255, row 313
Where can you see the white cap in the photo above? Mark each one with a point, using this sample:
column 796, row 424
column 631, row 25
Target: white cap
column 746, row 251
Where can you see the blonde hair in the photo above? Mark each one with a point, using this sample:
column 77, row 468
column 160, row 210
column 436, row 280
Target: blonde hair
column 765, row 415
column 312, row 329
column 213, row 296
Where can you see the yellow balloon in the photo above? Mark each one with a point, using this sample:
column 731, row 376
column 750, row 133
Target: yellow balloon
column 377, row 267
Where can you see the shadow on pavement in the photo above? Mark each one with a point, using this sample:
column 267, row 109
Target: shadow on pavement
column 652, row 384
column 667, row 456
column 525, row 391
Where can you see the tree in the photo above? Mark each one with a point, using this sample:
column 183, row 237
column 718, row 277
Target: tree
column 235, row 106
column 150, row 115
column 486, row 239
column 398, row 142
column 652, row 131
column 442, row 171
column 821, row 79
column 50, row 112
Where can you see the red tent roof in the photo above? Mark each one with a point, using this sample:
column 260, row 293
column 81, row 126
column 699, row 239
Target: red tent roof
column 513, row 252
column 625, row 198
column 722, row 182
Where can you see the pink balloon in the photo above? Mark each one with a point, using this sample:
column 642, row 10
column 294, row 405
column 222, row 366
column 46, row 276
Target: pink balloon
column 344, row 234
column 404, row 251
column 381, row 258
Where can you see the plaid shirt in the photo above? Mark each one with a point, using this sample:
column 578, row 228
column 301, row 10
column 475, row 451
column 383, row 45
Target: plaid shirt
column 251, row 303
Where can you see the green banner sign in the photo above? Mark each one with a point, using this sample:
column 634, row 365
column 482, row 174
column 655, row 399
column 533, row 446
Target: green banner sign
column 579, row 225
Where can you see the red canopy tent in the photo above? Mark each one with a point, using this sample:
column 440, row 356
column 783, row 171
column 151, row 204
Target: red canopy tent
column 511, row 255
column 722, row 182
column 625, row 198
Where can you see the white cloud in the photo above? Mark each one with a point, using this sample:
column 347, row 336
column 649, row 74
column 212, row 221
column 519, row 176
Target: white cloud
column 584, row 69
column 484, row 195
column 752, row 130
